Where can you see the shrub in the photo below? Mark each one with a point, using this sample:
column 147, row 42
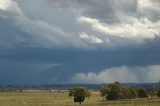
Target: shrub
column 79, row 94
column 115, row 91
column 142, row 93
column 158, row 94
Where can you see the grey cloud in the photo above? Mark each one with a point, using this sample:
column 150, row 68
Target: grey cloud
column 23, row 31
column 30, row 32
column 105, row 10
column 131, row 18
column 44, row 34
column 108, row 10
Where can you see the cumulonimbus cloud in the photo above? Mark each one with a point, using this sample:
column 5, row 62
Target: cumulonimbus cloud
column 122, row 74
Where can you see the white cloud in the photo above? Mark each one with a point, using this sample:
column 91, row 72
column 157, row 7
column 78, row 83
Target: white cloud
column 122, row 74
column 132, row 19
column 133, row 28
column 90, row 38
column 10, row 7
column 148, row 4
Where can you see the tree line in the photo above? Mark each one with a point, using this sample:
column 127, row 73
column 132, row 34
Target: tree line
column 115, row 91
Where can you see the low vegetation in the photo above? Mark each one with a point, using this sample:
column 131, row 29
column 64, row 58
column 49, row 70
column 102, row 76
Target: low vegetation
column 115, row 94
column 115, row 91
column 42, row 98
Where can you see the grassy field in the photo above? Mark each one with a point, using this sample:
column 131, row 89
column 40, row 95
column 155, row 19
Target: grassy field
column 62, row 99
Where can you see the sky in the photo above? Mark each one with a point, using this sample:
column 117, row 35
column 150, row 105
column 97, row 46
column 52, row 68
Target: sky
column 79, row 41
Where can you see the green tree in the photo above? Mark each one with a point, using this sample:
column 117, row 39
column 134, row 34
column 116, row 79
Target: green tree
column 152, row 91
column 134, row 93
column 104, row 91
column 115, row 91
column 79, row 94
column 142, row 93
column 158, row 94
column 126, row 94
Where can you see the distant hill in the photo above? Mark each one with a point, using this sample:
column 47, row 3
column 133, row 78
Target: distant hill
column 67, row 86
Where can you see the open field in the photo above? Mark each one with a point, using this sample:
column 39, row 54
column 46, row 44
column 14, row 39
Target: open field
column 62, row 99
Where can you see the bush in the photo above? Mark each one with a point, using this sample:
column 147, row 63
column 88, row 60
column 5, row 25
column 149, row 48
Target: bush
column 114, row 94
column 134, row 93
column 142, row 93
column 115, row 91
column 158, row 94
column 79, row 94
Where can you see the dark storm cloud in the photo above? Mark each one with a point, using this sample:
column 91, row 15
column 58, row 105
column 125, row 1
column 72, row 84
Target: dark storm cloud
column 34, row 50
column 71, row 62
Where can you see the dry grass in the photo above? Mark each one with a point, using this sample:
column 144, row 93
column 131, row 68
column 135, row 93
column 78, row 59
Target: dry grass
column 62, row 99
